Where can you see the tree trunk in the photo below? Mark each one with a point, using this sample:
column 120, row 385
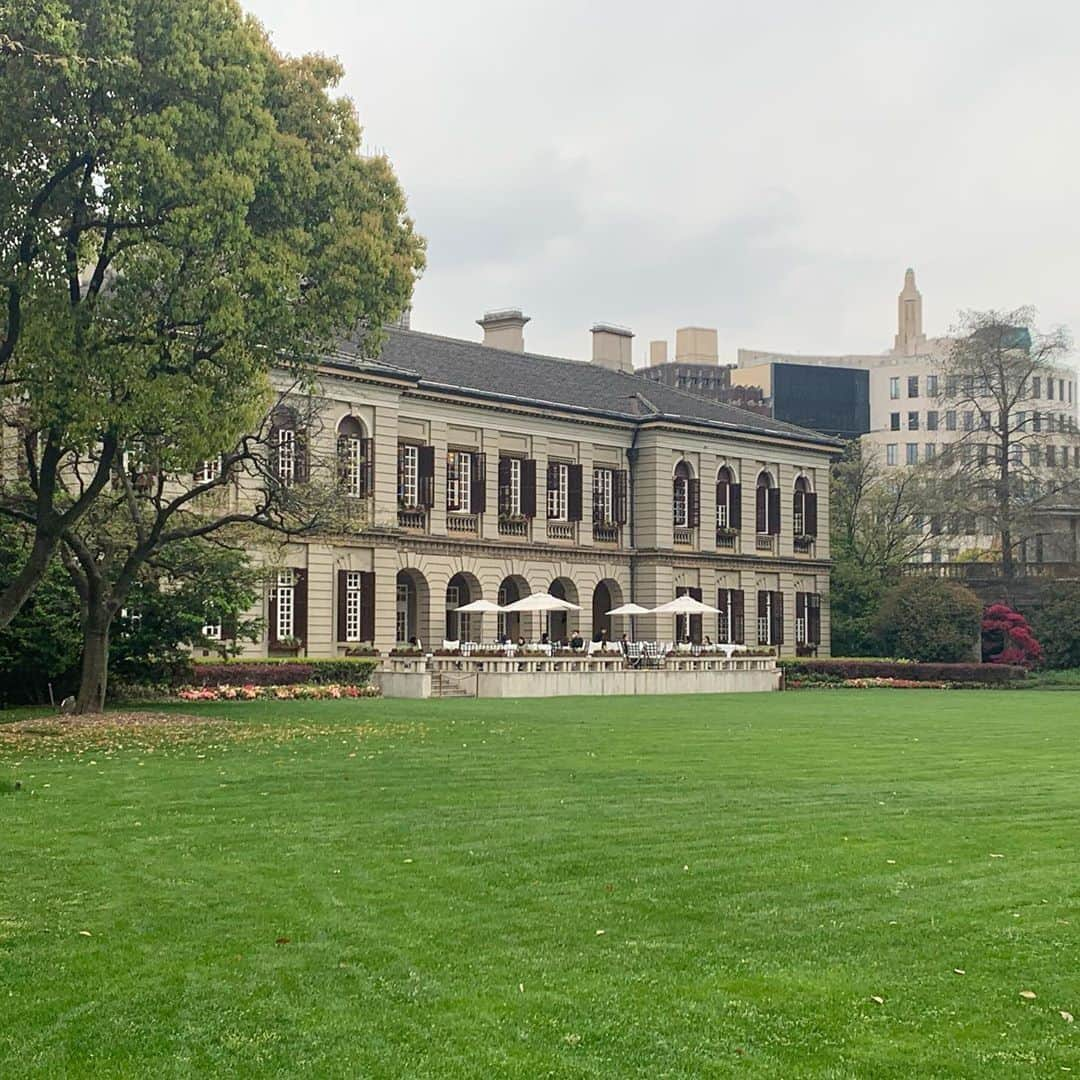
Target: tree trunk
column 95, row 663
column 1008, row 563
column 27, row 579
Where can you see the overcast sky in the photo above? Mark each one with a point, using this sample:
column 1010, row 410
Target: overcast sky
column 768, row 169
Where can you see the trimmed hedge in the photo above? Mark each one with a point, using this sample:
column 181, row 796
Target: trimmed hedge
column 345, row 670
column 838, row 670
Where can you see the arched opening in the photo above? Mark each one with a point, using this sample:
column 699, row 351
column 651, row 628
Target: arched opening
column 462, row 589
column 768, row 504
column 412, row 609
column 559, row 622
column 353, row 458
column 680, row 504
column 606, row 595
column 725, row 485
column 512, row 588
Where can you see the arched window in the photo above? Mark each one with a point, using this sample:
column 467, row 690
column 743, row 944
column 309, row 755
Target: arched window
column 728, row 500
column 768, row 505
column 686, row 501
column 804, row 509
column 354, row 458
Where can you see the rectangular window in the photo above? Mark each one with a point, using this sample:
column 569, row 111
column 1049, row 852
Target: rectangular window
column 603, row 496
column 1051, row 455
column 1021, row 420
column 950, row 420
column 891, row 454
column 930, row 451
column 353, row 465
column 913, row 421
column 409, row 475
column 1035, row 456
column 401, row 620
column 353, row 595
column 913, row 386
column 212, row 627
column 515, row 487
column 969, row 420
column 459, row 481
column 894, row 387
column 1050, row 389
column 558, row 489
column 952, row 385
column 912, row 453
column 1036, row 387
column 932, row 385
column 286, row 455
column 286, row 604
column 894, row 421
column 932, row 420
column 1036, row 421
column 208, row 470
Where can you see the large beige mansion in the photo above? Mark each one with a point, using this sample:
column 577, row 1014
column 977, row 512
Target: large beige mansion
column 488, row 472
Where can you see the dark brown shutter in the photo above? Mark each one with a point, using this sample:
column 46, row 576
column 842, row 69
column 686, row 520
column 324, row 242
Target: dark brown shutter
column 367, row 606
column 573, row 493
column 528, row 488
column 478, row 484
column 735, row 514
column 271, row 615
column 810, row 515
column 800, row 611
column 813, row 619
column 342, row 597
column 552, row 483
column 693, row 502
column 777, row 632
column 504, row 486
column 300, row 605
column 774, row 511
column 738, row 617
column 368, row 468
column 343, row 460
column 620, row 497
column 762, row 496
column 301, row 455
column 695, row 620
column 425, row 475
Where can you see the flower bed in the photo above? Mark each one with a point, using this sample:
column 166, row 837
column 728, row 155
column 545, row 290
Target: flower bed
column 343, row 671
column 897, row 673
column 295, row 692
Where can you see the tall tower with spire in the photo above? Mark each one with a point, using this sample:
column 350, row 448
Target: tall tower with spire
column 910, row 339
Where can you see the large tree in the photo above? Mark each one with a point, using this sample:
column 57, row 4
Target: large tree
column 181, row 207
column 1017, row 450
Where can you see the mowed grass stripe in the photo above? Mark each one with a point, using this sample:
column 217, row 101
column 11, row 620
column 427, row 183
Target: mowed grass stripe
column 761, row 866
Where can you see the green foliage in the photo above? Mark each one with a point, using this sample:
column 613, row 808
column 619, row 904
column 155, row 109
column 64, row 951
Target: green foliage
column 855, row 593
column 929, row 619
column 193, row 582
column 1057, row 625
column 41, row 644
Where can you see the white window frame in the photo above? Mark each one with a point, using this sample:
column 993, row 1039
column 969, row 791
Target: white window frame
column 410, row 475
column 892, row 453
column 680, row 503
column 894, row 388
column 725, row 628
column 515, row 487
column 559, row 495
column 286, row 455
column 401, row 612
column 208, row 470
column 353, row 599
column 211, row 629
column 459, row 481
column 604, row 495
column 285, row 625
column 764, row 622
column 354, row 466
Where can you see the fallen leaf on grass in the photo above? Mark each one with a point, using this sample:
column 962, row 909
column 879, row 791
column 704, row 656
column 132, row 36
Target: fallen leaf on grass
column 959, row 971
column 282, row 941
column 993, row 856
column 86, row 933
column 599, row 932
column 1028, row 995
column 879, row 1000
column 1066, row 1016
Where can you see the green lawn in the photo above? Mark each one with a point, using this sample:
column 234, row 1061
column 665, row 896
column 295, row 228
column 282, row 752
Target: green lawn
column 626, row 887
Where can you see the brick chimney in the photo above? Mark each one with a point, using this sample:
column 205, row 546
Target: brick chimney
column 504, row 329
column 611, row 347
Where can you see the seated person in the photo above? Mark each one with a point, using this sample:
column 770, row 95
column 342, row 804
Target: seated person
column 624, row 644
column 544, row 639
column 576, row 640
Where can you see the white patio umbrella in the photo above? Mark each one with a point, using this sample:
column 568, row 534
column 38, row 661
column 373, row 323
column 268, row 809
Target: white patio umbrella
column 630, row 609
column 683, row 605
column 541, row 601
column 479, row 607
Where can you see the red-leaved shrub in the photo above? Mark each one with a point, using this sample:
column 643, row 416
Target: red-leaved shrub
column 1007, row 638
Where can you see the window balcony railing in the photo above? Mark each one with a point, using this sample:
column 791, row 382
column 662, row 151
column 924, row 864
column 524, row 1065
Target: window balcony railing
column 727, row 540
column 560, row 530
column 462, row 523
column 605, row 534
column 804, row 545
column 513, row 527
column 682, row 537
column 412, row 518
column 765, row 542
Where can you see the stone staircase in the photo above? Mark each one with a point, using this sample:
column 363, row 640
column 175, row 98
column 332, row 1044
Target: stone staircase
column 446, row 684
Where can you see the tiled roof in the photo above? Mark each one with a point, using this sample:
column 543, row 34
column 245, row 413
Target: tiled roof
column 468, row 366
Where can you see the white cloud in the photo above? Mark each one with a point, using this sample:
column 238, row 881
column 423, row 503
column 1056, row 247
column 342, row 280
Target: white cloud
column 767, row 169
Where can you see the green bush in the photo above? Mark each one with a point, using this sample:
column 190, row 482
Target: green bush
column 1057, row 625
column 286, row 672
column 929, row 619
